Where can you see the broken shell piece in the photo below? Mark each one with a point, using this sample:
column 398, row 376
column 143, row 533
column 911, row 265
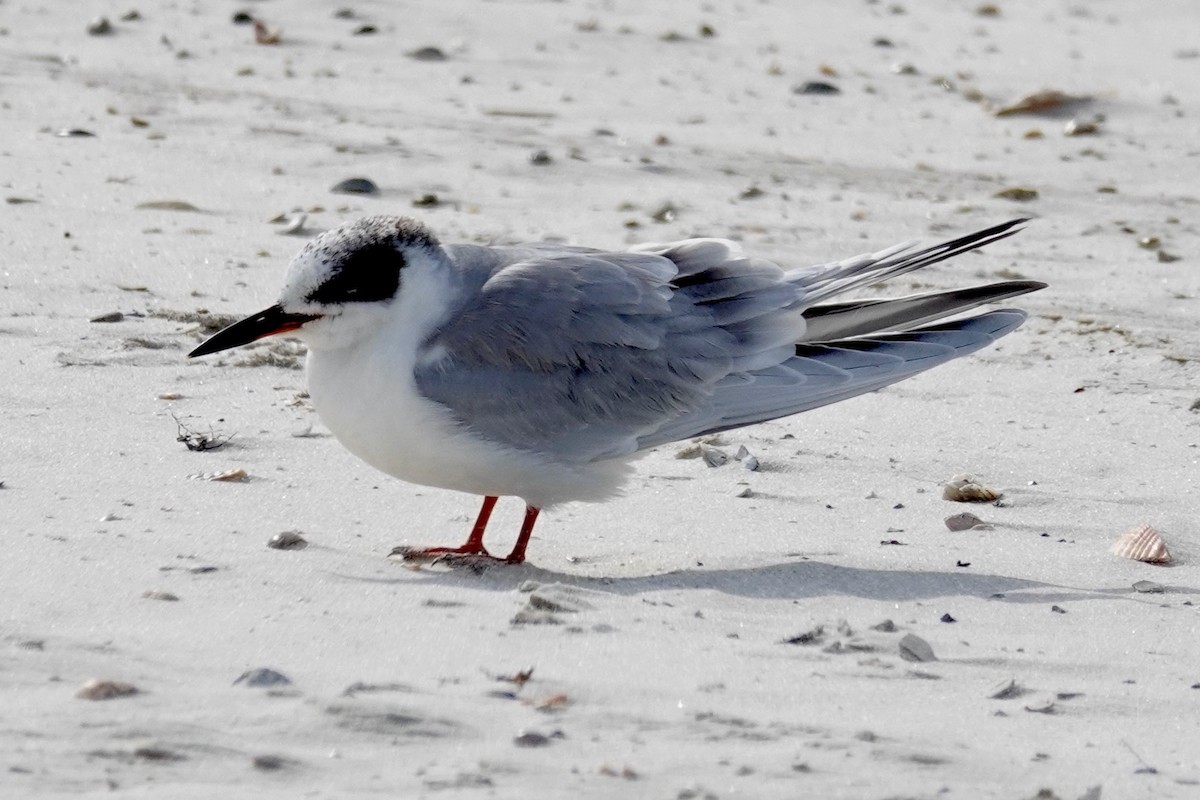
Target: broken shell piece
column 1046, row 100
column 288, row 540
column 96, row 689
column 1148, row 587
column 263, row 34
column 965, row 522
column 964, row 489
column 229, row 475
column 1005, row 690
column 713, row 456
column 156, row 594
column 294, row 223
column 1080, row 127
column 1142, row 543
column 747, row 458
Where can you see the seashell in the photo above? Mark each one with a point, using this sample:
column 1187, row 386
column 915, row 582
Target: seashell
column 294, row 223
column 713, row 456
column 1041, row 102
column 554, row 702
column 229, row 475
column 749, row 461
column 96, row 689
column 157, row 594
column 288, row 540
column 1148, row 587
column 965, row 522
column 1005, row 690
column 914, row 648
column 1142, row 543
column 964, row 489
column 1079, row 127
column 263, row 34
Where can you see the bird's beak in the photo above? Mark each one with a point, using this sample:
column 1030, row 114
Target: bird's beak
column 267, row 322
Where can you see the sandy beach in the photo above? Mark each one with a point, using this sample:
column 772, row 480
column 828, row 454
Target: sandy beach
column 811, row 629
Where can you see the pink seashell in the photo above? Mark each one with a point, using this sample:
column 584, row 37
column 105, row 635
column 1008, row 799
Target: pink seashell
column 1142, row 543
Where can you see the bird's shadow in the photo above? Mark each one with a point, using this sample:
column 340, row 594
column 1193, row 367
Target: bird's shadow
column 785, row 581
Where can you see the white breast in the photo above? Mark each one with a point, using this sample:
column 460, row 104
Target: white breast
column 363, row 388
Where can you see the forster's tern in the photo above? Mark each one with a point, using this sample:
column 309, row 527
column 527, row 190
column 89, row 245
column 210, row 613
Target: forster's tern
column 541, row 370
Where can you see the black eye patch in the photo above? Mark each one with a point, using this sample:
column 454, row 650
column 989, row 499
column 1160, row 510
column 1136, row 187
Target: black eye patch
column 366, row 275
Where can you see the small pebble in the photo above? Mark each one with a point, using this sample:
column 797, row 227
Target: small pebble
column 74, row 133
column 355, row 186
column 262, row 678
column 1018, row 194
column 816, row 87
column 155, row 594
column 531, row 739
column 100, row 27
column 269, row 763
column 427, row 54
column 111, row 316
column 96, row 689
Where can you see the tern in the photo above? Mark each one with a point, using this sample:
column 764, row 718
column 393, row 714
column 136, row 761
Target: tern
column 540, row 371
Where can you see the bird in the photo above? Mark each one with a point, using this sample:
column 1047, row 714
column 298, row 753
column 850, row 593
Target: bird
column 542, row 370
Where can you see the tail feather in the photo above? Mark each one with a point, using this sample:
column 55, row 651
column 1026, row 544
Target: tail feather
column 832, row 279
column 864, row 317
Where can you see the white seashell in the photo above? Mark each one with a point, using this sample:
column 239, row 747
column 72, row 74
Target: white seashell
column 964, row 489
column 229, row 475
column 1142, row 543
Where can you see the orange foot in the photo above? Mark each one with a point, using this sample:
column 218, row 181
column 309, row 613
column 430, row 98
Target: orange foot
column 472, row 553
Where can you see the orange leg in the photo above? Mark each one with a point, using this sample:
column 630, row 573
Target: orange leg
column 517, row 555
column 473, row 550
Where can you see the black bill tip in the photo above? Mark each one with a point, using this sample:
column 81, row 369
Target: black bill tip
column 267, row 322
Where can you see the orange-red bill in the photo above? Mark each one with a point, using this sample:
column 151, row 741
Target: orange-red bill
column 267, row 322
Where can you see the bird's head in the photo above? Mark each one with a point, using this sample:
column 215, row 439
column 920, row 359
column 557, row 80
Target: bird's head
column 338, row 287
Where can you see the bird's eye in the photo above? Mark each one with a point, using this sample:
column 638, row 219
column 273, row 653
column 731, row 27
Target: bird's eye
column 368, row 274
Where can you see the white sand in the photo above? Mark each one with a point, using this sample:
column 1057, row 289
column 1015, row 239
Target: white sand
column 671, row 678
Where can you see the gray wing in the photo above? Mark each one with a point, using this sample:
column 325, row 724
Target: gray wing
column 820, row 374
column 584, row 355
column 604, row 348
